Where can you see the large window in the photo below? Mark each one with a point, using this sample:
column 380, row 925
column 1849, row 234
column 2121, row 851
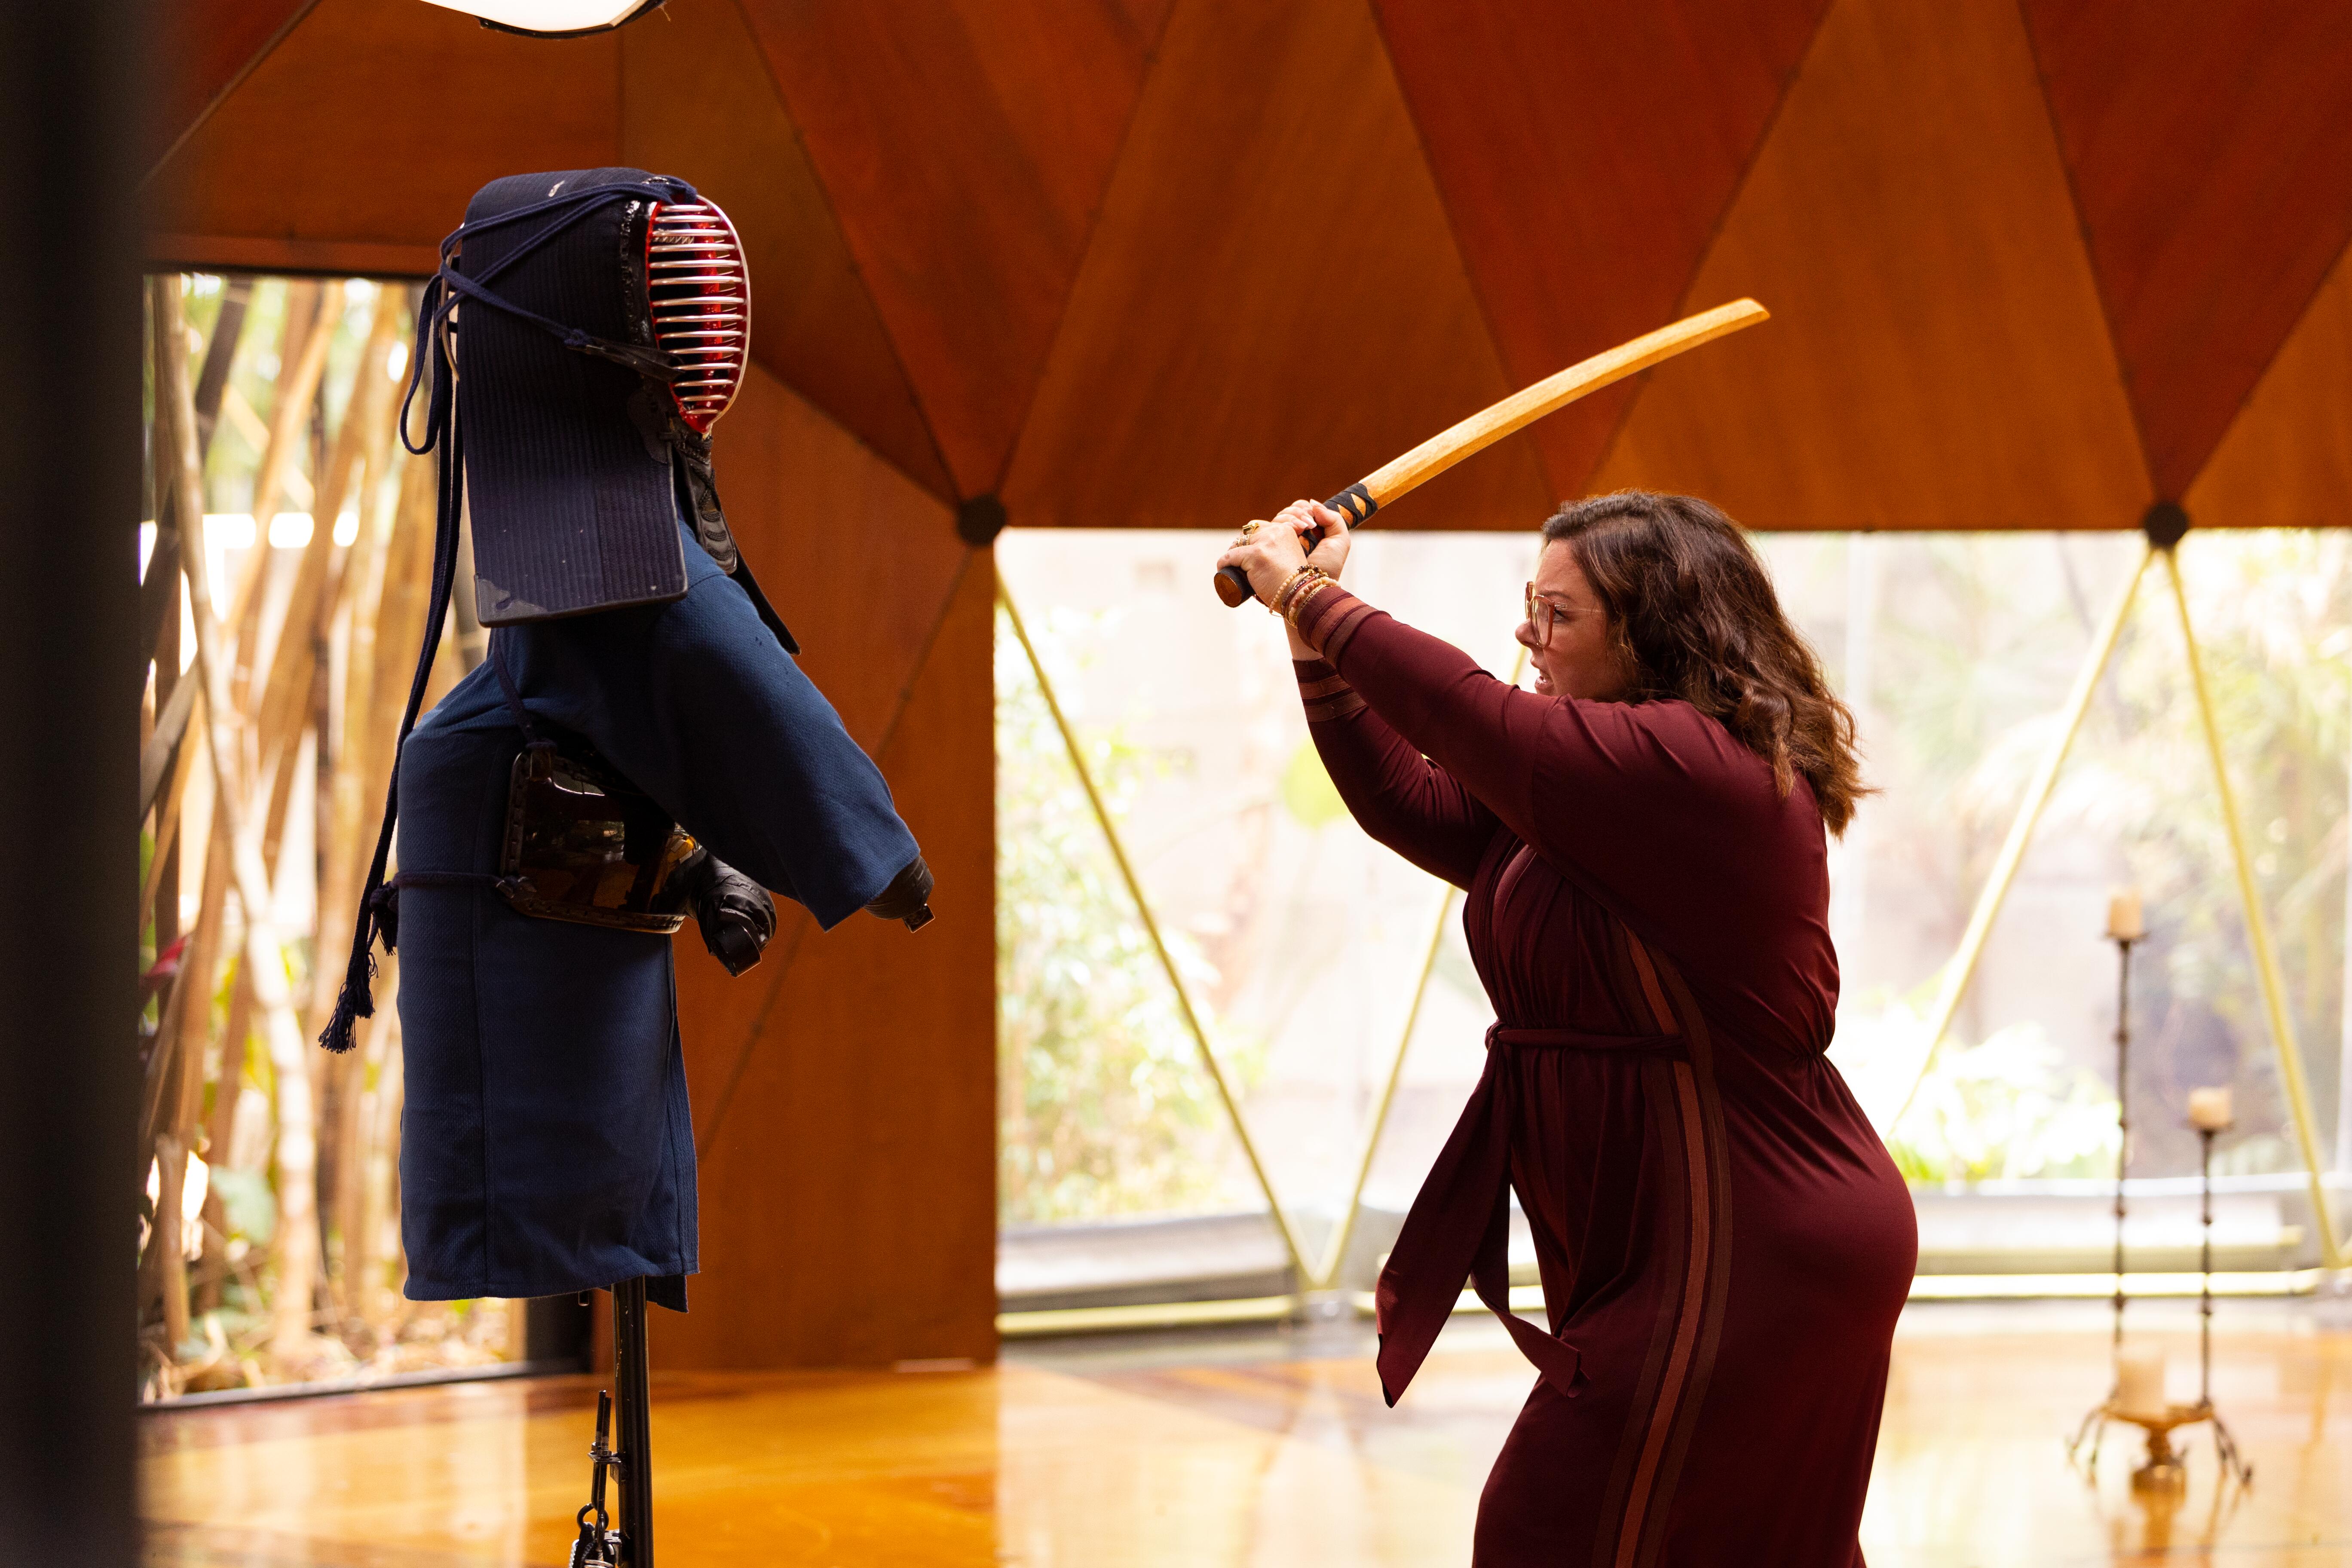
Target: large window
column 1305, row 949
column 270, row 1246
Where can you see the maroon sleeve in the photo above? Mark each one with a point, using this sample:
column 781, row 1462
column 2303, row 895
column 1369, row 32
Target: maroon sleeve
column 1653, row 807
column 1394, row 793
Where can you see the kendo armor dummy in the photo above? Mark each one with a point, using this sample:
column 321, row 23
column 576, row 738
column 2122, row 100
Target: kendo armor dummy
column 586, row 331
column 638, row 746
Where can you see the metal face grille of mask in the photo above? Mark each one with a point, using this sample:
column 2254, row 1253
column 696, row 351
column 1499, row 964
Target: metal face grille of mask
column 701, row 296
column 582, row 845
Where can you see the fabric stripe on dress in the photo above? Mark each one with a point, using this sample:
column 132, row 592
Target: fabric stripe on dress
column 1636, row 1520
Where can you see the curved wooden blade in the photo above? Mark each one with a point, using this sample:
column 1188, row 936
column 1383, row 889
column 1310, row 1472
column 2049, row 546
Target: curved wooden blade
column 1516, row 412
column 1529, row 404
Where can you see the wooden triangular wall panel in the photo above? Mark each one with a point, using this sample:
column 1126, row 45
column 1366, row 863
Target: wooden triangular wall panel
column 698, row 102
column 854, row 556
column 412, row 108
column 2210, row 146
column 964, row 145
column 1937, row 357
column 1272, row 305
column 1583, row 188
column 210, row 44
column 2286, row 462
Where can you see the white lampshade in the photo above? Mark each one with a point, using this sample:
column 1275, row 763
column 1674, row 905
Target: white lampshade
column 550, row 18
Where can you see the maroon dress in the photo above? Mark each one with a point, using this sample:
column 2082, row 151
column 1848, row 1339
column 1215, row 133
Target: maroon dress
column 1722, row 1241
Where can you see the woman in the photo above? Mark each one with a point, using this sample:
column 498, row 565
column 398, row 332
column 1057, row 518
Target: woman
column 1722, row 1241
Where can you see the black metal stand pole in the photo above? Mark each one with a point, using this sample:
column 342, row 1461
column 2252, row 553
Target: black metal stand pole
column 636, row 1438
column 2122, row 1114
column 2205, row 1266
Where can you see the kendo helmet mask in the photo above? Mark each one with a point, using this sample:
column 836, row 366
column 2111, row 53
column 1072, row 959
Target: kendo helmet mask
column 606, row 328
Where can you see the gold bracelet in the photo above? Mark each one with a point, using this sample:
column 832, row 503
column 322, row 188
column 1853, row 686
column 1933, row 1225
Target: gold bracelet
column 1290, row 586
column 1305, row 596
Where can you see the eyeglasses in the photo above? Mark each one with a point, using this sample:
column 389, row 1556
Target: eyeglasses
column 1542, row 612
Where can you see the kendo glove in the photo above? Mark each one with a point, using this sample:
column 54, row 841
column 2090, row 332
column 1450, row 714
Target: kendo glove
column 736, row 914
column 907, row 898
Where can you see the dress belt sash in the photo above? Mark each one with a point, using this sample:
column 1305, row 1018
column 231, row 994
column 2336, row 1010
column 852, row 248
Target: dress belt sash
column 1460, row 1224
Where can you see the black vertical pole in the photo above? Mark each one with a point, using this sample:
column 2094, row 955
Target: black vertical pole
column 636, row 1436
column 2205, row 1267
column 69, row 681
column 2123, row 1113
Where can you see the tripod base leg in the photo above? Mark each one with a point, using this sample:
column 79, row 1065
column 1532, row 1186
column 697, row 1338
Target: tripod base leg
column 629, row 1377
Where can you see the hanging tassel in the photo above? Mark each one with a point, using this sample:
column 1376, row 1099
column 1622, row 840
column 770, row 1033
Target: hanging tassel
column 379, row 915
column 356, row 1001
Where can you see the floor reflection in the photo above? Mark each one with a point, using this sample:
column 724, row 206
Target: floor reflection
column 1253, row 1448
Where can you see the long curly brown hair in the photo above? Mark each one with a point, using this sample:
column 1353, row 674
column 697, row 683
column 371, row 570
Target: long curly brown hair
column 1693, row 615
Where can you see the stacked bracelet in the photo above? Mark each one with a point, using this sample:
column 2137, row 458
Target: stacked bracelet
column 1300, row 600
column 1290, row 586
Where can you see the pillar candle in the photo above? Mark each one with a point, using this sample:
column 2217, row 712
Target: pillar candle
column 2209, row 1108
column 2125, row 920
column 2139, row 1380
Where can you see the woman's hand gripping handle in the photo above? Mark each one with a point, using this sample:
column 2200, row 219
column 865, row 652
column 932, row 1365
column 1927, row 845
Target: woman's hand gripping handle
column 1270, row 551
column 1327, row 526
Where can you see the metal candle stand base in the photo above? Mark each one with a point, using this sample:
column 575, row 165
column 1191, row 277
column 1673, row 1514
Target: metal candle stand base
column 2167, row 1470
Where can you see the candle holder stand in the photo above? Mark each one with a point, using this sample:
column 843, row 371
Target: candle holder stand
column 2165, row 1468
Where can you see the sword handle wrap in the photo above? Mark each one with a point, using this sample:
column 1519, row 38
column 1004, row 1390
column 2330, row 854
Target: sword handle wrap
column 1355, row 503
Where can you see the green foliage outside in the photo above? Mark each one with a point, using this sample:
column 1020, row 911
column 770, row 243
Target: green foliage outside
column 1106, row 1111
column 1968, row 698
column 1104, row 1108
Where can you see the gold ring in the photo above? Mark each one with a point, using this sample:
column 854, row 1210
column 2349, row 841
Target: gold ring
column 1249, row 528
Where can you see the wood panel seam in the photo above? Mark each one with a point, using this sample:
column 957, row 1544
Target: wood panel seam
column 2319, row 292
column 1607, row 448
column 1085, row 251
column 856, row 271
column 1453, row 234
column 758, row 1030
column 2091, row 263
column 229, row 88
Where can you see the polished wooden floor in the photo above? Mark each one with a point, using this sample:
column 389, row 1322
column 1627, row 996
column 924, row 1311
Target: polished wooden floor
column 1262, row 1449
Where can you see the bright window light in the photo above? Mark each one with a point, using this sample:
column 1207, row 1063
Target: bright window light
column 229, row 530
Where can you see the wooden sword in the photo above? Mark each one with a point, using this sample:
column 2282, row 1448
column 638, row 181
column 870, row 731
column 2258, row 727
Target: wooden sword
column 1513, row 414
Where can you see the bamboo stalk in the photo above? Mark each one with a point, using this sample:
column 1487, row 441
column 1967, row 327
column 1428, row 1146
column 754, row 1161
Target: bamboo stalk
column 264, row 954
column 154, row 1087
column 294, row 663
column 160, row 752
column 301, row 362
column 160, row 892
column 346, row 840
column 220, row 1128
column 184, row 1017
column 351, row 840
column 282, row 718
column 166, row 855
column 160, row 592
column 168, row 1274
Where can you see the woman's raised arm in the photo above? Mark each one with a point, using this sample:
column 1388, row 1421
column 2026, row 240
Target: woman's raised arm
column 1396, row 794
column 1642, row 803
